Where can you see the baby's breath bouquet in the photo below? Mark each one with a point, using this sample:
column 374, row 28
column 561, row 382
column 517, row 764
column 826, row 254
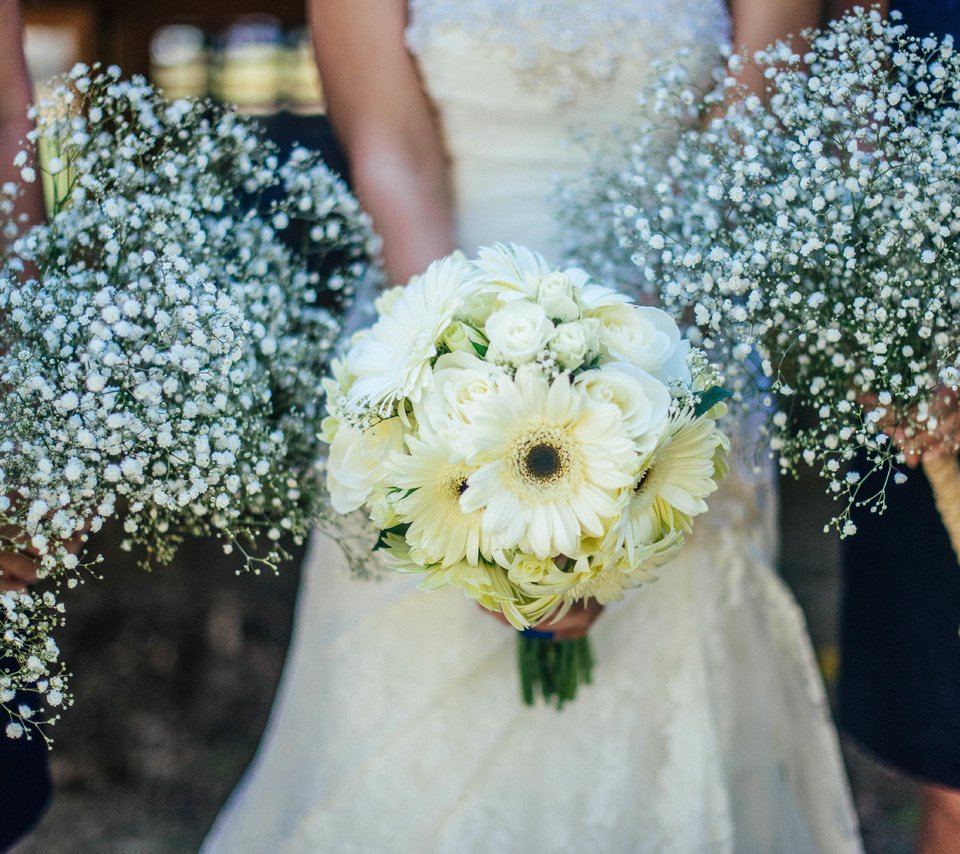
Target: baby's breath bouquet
column 819, row 226
column 526, row 435
column 163, row 347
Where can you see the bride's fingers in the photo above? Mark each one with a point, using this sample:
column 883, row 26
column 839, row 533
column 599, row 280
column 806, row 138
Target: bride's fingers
column 575, row 623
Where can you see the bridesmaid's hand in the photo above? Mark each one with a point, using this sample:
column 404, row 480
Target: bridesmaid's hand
column 574, row 624
column 19, row 560
column 915, row 444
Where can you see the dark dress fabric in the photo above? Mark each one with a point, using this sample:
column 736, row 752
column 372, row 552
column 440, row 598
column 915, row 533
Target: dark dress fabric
column 24, row 784
column 899, row 686
column 930, row 17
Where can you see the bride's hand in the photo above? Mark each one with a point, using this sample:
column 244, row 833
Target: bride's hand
column 574, row 624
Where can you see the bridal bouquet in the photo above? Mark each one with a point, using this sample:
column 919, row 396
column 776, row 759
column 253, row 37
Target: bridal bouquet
column 163, row 347
column 819, row 226
column 526, row 435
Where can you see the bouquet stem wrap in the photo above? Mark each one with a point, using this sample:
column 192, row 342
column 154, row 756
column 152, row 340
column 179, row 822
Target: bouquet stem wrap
column 944, row 476
column 557, row 667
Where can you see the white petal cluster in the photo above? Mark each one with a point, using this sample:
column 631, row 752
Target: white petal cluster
column 523, row 433
column 812, row 235
column 163, row 345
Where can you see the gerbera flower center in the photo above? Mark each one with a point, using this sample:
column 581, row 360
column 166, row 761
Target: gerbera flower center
column 648, row 485
column 543, row 462
column 642, row 480
column 542, row 458
column 455, row 481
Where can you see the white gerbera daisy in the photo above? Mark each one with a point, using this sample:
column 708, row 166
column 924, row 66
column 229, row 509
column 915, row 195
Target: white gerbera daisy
column 486, row 583
column 609, row 575
column 551, row 465
column 509, row 271
column 670, row 489
column 439, row 527
column 392, row 362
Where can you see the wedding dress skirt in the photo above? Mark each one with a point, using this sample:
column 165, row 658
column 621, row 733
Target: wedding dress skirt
column 398, row 725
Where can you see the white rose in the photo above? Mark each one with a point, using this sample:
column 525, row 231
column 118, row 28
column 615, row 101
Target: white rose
column 641, row 335
column 477, row 306
column 355, row 466
column 572, row 343
column 555, row 294
column 519, row 332
column 460, row 382
column 675, row 367
column 643, row 400
column 595, row 297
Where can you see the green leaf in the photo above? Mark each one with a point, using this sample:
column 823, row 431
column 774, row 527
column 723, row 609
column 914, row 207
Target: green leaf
column 399, row 530
column 709, row 398
column 480, row 348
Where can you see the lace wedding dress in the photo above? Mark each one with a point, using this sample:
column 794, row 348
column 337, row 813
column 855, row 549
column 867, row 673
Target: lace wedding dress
column 398, row 726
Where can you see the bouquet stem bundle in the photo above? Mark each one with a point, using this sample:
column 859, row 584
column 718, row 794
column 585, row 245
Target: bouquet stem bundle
column 557, row 667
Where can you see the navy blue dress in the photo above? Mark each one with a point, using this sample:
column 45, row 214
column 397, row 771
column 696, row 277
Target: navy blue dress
column 24, row 784
column 899, row 686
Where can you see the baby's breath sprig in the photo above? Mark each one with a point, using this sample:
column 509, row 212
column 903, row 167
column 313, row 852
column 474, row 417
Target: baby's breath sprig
column 163, row 345
column 812, row 236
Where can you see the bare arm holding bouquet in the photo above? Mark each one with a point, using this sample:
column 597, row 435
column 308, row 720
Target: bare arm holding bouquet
column 17, row 567
column 14, row 99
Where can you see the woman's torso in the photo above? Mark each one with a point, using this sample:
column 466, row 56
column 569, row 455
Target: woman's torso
column 515, row 81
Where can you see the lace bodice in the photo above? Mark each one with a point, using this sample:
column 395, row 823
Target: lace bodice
column 568, row 47
column 515, row 81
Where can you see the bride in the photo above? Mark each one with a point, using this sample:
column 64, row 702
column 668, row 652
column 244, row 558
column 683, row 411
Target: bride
column 398, row 726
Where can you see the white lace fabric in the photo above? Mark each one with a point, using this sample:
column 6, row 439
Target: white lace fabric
column 565, row 48
column 398, row 726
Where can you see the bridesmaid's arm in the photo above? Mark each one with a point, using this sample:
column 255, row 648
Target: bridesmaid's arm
column 387, row 127
column 759, row 23
column 14, row 98
column 16, row 570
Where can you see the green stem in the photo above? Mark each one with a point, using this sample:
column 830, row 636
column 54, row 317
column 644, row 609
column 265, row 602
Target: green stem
column 556, row 667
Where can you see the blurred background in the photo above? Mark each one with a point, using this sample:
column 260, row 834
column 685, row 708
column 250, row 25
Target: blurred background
column 174, row 671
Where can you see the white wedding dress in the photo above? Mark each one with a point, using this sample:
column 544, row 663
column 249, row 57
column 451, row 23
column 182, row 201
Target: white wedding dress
column 398, row 726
